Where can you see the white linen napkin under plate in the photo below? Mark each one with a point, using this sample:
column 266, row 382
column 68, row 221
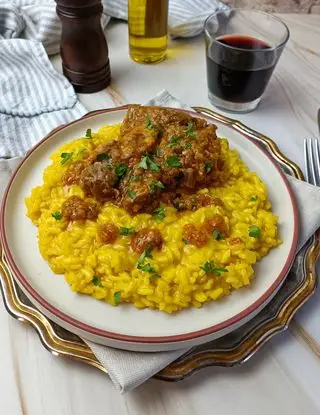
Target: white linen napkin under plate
column 130, row 369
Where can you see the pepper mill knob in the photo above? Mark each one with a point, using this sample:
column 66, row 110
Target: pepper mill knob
column 83, row 45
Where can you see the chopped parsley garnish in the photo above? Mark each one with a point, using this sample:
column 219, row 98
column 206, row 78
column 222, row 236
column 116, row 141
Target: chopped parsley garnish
column 57, row 215
column 158, row 152
column 208, row 166
column 131, row 194
column 135, row 178
column 80, row 151
column 154, row 276
column 185, row 241
column 97, row 281
column 127, row 231
column 121, row 170
column 173, row 141
column 149, row 124
column 156, row 186
column 173, row 161
column 146, row 267
column 147, row 163
column 145, row 254
column 187, row 145
column 209, row 268
column 159, row 214
column 65, row 157
column 254, row 231
column 254, row 198
column 217, row 235
column 117, row 297
column 190, row 131
column 103, row 157
column 88, row 133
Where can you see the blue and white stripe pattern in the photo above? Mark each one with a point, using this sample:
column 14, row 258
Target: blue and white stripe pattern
column 34, row 98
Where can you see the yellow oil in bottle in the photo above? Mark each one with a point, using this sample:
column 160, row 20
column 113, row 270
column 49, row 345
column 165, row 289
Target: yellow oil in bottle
column 148, row 24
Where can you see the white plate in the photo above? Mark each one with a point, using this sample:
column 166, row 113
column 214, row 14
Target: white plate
column 126, row 327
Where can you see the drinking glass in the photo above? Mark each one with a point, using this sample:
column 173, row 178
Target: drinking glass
column 242, row 50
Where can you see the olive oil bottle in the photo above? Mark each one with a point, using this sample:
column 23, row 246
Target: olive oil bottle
column 148, row 26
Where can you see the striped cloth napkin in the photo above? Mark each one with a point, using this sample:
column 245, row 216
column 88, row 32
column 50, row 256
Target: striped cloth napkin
column 34, row 98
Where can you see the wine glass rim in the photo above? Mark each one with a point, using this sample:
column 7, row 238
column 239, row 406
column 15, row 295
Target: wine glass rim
column 269, row 48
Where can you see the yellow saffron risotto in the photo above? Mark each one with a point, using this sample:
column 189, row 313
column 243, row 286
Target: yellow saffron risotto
column 109, row 272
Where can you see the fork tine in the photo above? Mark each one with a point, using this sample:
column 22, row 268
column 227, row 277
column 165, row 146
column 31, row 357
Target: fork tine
column 306, row 159
column 312, row 163
column 316, row 145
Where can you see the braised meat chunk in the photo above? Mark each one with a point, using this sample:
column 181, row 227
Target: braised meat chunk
column 76, row 208
column 156, row 118
column 146, row 238
column 108, row 233
column 162, row 156
column 98, row 180
column 140, row 191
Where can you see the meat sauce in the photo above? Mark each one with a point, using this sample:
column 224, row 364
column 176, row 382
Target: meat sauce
column 108, row 233
column 199, row 236
column 146, row 238
column 76, row 208
column 169, row 150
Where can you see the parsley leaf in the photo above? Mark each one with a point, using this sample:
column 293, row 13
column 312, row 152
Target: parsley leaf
column 127, row 231
column 158, row 152
column 147, row 163
column 121, row 170
column 217, row 235
column 117, row 297
column 173, row 141
column 148, row 123
column 131, row 194
column 57, row 215
column 173, row 161
column 190, row 131
column 159, row 214
column 146, row 267
column 154, row 276
column 145, row 254
column 208, row 166
column 185, row 241
column 209, row 268
column 254, row 198
column 97, row 281
column 254, row 231
column 156, row 186
column 187, row 145
column 88, row 133
column 103, row 157
column 80, row 151
column 65, row 157
column 135, row 178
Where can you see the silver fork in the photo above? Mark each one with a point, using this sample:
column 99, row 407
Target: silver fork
column 312, row 160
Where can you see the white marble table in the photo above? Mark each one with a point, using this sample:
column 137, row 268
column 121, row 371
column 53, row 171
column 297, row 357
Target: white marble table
column 284, row 377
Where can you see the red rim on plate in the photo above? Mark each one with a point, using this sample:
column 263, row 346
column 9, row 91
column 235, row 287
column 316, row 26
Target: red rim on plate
column 141, row 339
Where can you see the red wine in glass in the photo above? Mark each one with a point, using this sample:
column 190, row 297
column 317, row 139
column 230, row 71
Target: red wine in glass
column 239, row 67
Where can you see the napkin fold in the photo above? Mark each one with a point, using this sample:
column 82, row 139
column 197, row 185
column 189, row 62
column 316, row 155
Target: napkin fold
column 128, row 369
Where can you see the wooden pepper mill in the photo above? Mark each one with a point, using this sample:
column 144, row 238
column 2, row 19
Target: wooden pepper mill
column 83, row 45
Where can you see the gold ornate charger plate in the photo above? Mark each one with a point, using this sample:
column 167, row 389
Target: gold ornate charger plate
column 229, row 350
